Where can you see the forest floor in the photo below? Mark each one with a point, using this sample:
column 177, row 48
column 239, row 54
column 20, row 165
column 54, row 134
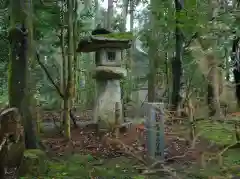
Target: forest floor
column 86, row 156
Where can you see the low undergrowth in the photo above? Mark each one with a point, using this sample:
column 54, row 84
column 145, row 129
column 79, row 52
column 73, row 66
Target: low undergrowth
column 220, row 134
column 79, row 166
column 85, row 166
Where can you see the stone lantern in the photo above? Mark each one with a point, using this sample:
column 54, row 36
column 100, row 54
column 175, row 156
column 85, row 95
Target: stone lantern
column 108, row 72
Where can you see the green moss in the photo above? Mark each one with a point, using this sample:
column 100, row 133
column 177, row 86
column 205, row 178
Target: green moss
column 34, row 163
column 217, row 132
column 10, row 78
column 34, row 153
column 232, row 158
column 81, row 166
column 118, row 36
column 231, row 166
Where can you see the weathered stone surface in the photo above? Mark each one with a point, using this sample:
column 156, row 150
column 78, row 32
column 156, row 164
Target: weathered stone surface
column 113, row 40
column 109, row 73
column 33, row 163
column 108, row 57
column 108, row 95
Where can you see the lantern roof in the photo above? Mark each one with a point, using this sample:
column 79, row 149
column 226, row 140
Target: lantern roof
column 102, row 38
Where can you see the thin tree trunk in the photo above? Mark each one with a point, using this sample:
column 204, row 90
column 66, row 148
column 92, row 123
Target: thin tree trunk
column 124, row 92
column 97, row 14
column 109, row 14
column 227, row 65
column 69, row 90
column 124, row 15
column 63, row 64
column 131, row 49
column 75, row 55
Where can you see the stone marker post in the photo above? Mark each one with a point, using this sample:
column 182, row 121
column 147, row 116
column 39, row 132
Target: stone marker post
column 155, row 141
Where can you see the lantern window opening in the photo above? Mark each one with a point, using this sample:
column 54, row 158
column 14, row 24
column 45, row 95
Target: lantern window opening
column 111, row 56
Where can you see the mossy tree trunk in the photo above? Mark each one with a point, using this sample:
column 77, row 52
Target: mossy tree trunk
column 29, row 121
column 69, row 89
column 124, row 86
column 21, row 56
column 90, row 56
column 63, row 64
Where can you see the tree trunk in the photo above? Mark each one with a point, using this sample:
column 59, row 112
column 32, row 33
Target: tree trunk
column 208, row 64
column 236, row 70
column 97, row 14
column 235, row 57
column 30, row 123
column 69, row 90
column 63, row 64
column 109, row 14
column 177, row 61
column 17, row 61
column 130, row 54
column 90, row 56
column 227, row 64
column 152, row 54
column 124, row 15
column 75, row 55
column 124, row 92
column 21, row 56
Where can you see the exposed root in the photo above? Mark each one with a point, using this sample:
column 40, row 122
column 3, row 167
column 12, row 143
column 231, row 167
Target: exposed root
column 192, row 146
column 120, row 145
column 168, row 170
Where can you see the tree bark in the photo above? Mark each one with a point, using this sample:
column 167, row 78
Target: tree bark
column 30, row 108
column 75, row 55
column 21, row 56
column 17, row 60
column 152, row 53
column 69, row 90
column 63, row 64
column 235, row 57
column 177, row 61
column 109, row 14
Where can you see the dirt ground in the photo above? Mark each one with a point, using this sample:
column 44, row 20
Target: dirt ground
column 178, row 150
column 86, row 141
